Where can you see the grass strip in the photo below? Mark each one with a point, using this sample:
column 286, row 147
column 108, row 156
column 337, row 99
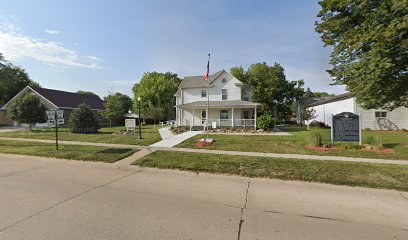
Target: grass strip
column 371, row 175
column 75, row 152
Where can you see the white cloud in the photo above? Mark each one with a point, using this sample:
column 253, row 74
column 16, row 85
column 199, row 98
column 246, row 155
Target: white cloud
column 120, row 82
column 15, row 46
column 51, row 32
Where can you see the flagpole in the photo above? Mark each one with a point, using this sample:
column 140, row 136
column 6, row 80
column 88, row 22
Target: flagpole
column 208, row 95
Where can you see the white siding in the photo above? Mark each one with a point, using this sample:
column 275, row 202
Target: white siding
column 395, row 120
column 324, row 112
column 233, row 91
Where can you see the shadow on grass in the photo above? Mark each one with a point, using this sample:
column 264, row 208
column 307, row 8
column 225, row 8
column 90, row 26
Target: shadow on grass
column 115, row 150
column 293, row 129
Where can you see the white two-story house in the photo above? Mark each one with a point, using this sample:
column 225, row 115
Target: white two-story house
column 230, row 102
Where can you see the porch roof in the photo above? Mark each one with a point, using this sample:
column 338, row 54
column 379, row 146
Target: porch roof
column 220, row 104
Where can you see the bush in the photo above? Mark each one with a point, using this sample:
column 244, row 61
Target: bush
column 375, row 141
column 317, row 124
column 367, row 129
column 82, row 120
column 316, row 139
column 265, row 122
column 348, row 145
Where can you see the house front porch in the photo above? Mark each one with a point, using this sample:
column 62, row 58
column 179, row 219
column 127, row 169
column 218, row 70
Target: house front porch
column 221, row 114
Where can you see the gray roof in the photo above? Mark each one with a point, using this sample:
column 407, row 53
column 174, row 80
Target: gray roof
column 224, row 103
column 197, row 81
column 178, row 93
column 332, row 99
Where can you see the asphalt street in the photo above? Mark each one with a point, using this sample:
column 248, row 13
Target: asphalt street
column 44, row 199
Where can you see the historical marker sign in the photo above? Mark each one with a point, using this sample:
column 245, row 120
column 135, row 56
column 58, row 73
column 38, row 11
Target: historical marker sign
column 130, row 123
column 346, row 127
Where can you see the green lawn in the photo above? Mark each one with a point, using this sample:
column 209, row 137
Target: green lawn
column 334, row 172
column 300, row 137
column 77, row 152
column 149, row 133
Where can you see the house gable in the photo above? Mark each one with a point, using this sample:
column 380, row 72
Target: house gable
column 54, row 99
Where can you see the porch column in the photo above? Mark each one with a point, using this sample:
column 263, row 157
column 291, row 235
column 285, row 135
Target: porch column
column 232, row 122
column 177, row 116
column 193, row 117
column 255, row 117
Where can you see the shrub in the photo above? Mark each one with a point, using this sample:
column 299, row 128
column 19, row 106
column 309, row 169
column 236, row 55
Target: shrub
column 367, row 129
column 348, row 145
column 316, row 139
column 265, row 122
column 82, row 120
column 317, row 124
column 375, row 141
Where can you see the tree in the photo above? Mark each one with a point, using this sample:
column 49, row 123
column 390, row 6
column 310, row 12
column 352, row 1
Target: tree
column 322, row 94
column 12, row 80
column 116, row 105
column 27, row 109
column 155, row 113
column 370, row 49
column 82, row 120
column 86, row 93
column 270, row 88
column 157, row 90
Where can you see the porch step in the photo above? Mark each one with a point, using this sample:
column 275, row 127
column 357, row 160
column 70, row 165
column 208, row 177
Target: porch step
column 197, row 128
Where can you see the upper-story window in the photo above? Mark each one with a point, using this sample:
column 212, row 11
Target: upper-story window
column 203, row 93
column 380, row 114
column 224, row 94
column 224, row 80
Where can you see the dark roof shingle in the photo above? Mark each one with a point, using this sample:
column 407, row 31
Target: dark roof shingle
column 70, row 100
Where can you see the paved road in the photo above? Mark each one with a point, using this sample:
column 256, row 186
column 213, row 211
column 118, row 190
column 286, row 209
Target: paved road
column 57, row 199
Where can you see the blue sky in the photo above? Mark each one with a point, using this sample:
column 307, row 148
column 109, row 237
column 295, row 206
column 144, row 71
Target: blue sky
column 105, row 46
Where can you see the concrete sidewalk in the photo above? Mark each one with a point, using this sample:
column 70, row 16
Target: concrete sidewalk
column 45, row 199
column 233, row 153
column 172, row 141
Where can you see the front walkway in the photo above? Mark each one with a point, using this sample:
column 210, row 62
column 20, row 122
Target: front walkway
column 171, row 141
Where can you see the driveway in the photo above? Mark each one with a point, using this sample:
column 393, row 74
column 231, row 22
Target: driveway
column 57, row 199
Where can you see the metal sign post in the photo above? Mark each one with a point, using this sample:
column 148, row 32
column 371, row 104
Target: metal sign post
column 55, row 117
column 56, row 130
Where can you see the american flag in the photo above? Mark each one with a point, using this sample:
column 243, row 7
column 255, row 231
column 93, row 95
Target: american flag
column 208, row 69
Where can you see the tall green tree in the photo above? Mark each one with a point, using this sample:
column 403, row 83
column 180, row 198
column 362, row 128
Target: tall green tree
column 27, row 109
column 370, row 48
column 270, row 88
column 155, row 113
column 156, row 90
column 116, row 105
column 12, row 80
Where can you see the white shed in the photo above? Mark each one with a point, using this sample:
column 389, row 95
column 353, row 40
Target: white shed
column 375, row 119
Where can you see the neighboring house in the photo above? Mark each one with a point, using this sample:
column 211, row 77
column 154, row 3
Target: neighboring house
column 67, row 101
column 375, row 119
column 229, row 102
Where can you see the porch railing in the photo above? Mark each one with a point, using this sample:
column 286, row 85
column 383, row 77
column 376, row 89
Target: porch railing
column 228, row 122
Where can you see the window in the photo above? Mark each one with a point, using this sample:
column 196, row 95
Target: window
column 224, row 94
column 224, row 80
column 203, row 93
column 380, row 114
column 224, row 114
column 246, row 114
column 203, row 114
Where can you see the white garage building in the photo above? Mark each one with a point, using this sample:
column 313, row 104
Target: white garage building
column 375, row 119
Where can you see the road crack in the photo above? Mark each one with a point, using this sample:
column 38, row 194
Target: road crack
column 241, row 221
